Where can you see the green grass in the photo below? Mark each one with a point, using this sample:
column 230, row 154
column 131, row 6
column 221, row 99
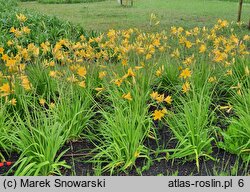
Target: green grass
column 68, row 1
column 102, row 16
column 244, row 1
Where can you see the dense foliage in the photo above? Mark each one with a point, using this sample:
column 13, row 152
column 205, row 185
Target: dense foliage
column 117, row 90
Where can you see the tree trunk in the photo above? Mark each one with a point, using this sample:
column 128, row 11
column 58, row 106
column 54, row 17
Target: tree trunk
column 240, row 9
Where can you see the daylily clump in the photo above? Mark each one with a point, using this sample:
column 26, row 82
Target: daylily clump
column 132, row 50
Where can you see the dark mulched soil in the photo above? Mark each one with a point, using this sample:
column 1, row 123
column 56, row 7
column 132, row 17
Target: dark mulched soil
column 78, row 154
column 224, row 162
column 11, row 158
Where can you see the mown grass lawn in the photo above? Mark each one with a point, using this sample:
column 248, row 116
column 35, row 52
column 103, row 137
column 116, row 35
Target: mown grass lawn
column 125, row 101
column 102, row 16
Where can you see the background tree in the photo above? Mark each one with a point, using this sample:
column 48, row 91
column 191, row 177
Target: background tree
column 239, row 13
column 240, row 10
column 126, row 2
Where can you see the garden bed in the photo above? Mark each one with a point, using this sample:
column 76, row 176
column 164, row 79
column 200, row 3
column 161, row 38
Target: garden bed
column 225, row 164
column 123, row 102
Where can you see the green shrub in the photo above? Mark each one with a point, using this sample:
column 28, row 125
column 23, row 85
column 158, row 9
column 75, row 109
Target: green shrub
column 43, row 28
column 26, row 0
